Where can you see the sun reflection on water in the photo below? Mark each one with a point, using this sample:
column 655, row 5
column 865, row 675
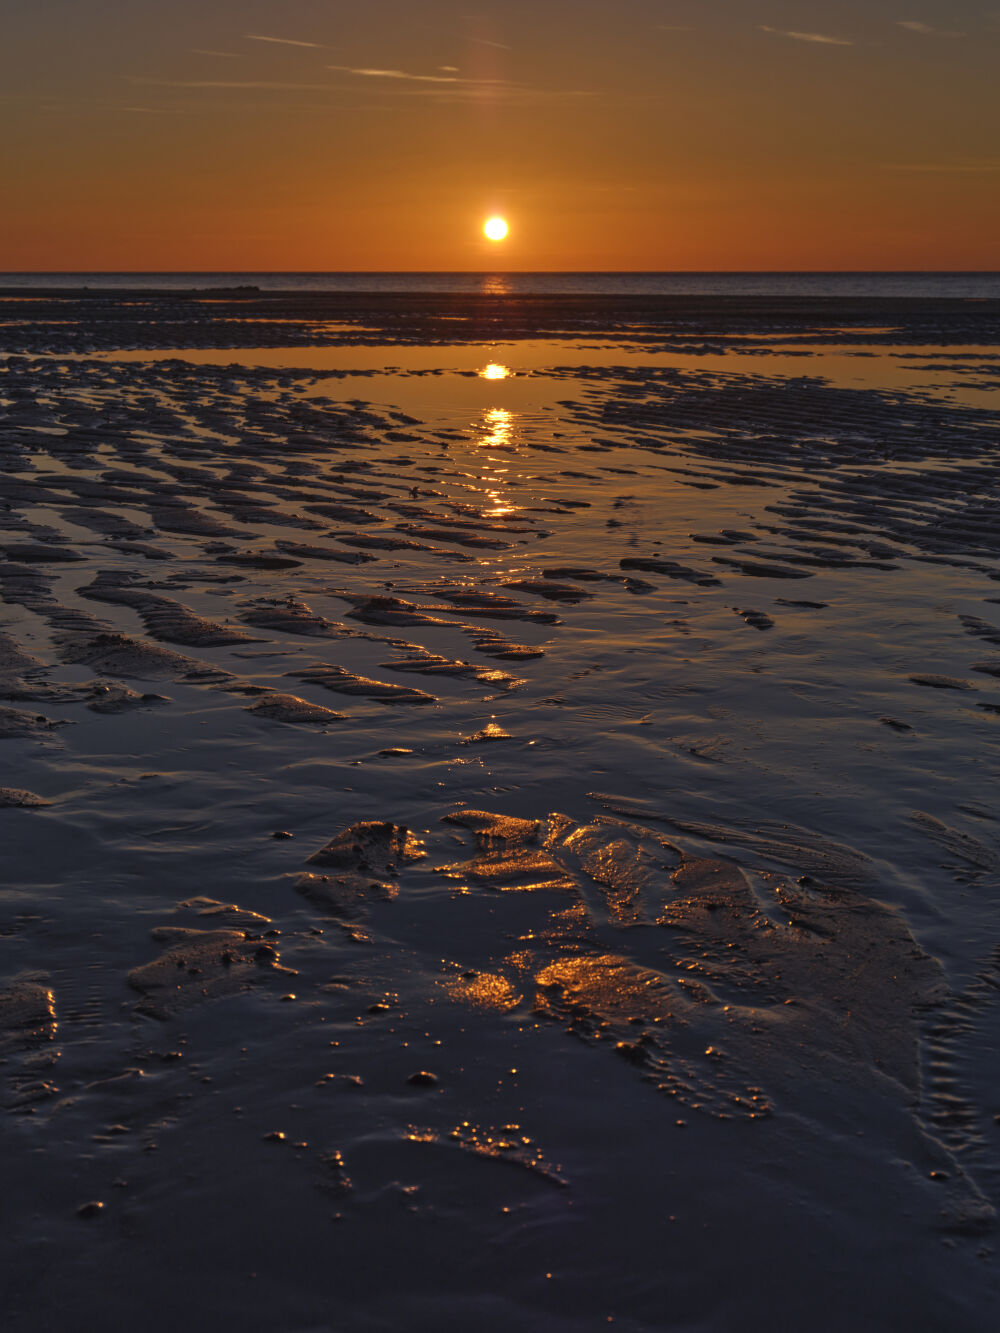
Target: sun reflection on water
column 498, row 433
column 494, row 372
column 498, row 424
column 495, row 284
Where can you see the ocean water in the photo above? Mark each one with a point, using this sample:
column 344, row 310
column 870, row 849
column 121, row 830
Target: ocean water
column 965, row 285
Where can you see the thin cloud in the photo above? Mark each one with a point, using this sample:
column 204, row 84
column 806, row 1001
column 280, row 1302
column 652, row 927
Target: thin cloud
column 511, row 93
column 966, row 167
column 925, row 29
column 398, row 74
column 450, row 87
column 819, row 37
column 438, row 87
column 139, row 81
column 281, row 41
column 482, row 41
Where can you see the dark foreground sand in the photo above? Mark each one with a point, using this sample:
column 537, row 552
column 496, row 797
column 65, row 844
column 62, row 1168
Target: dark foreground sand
column 499, row 813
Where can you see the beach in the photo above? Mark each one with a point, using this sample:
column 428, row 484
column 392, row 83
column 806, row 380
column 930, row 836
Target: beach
column 498, row 802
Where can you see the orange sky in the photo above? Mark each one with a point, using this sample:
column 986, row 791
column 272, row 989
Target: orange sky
column 641, row 134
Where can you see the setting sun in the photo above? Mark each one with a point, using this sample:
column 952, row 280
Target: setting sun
column 495, row 229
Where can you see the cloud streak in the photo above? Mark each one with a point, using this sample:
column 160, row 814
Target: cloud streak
column 925, row 29
column 439, row 87
column 452, row 87
column 820, row 38
column 141, row 82
column 966, row 167
column 281, row 41
column 401, row 74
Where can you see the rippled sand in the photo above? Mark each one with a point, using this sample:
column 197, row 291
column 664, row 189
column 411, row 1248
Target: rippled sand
column 499, row 813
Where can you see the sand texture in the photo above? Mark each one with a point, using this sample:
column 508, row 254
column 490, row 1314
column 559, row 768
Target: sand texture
column 498, row 799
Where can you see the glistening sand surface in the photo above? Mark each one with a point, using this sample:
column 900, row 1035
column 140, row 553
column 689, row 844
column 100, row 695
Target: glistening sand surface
column 627, row 677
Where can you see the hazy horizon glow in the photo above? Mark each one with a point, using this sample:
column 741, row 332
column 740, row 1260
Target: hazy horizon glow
column 655, row 135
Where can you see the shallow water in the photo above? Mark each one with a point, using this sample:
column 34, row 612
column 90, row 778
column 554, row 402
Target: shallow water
column 965, row 374
column 965, row 285
column 717, row 1047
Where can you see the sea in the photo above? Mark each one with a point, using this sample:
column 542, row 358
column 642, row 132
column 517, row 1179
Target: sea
column 960, row 285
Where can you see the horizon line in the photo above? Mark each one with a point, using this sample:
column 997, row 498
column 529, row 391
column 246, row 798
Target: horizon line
column 491, row 272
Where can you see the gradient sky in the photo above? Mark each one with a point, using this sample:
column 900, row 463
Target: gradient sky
column 613, row 134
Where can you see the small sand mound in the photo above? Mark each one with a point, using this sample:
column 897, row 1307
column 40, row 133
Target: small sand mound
column 16, row 722
column 200, row 965
column 38, row 553
column 120, row 655
column 550, row 589
column 935, row 682
column 957, row 843
column 27, row 1015
column 370, row 846
column 290, row 616
column 341, row 681
column 431, row 664
column 495, row 645
column 309, row 552
column 225, row 914
column 383, row 610
column 290, row 708
column 365, row 860
column 510, row 854
column 163, row 617
column 105, row 697
column 491, row 732
column 27, row 1036
column 671, row 568
column 18, row 798
column 14, row 664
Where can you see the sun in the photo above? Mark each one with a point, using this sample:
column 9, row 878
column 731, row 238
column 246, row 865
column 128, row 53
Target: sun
column 495, row 228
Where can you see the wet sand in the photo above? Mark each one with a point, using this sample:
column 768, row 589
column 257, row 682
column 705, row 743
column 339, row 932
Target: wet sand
column 498, row 799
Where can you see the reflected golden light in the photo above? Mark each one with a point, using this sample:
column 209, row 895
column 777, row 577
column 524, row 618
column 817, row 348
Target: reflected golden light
column 609, row 985
column 495, row 228
column 494, row 372
column 484, row 990
column 499, row 425
column 491, row 1141
column 495, row 285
